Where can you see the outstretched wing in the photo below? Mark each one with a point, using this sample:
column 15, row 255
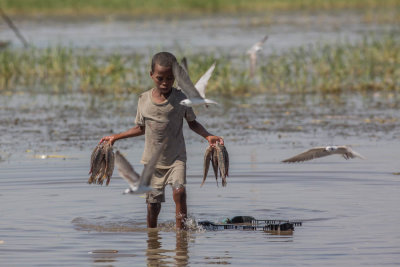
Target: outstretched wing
column 257, row 46
column 316, row 152
column 347, row 152
column 203, row 81
column 184, row 81
column 184, row 65
column 126, row 170
column 148, row 170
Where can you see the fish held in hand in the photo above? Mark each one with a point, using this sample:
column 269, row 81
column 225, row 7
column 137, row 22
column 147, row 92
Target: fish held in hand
column 219, row 158
column 101, row 164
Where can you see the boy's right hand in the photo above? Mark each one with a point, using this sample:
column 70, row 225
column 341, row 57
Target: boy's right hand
column 111, row 139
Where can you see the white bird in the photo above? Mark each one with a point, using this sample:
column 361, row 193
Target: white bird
column 138, row 184
column 203, row 81
column 192, row 92
column 318, row 152
column 252, row 52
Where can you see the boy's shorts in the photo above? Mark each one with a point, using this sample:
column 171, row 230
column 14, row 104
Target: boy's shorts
column 175, row 176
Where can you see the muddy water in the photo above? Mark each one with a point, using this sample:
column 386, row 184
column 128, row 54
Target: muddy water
column 349, row 209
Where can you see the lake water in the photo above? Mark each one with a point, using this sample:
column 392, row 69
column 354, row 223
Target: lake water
column 50, row 216
column 349, row 209
column 226, row 34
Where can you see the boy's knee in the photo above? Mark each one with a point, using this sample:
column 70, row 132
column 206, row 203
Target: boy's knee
column 154, row 207
column 179, row 193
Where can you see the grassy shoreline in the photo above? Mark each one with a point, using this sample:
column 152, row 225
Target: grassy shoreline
column 185, row 7
column 373, row 64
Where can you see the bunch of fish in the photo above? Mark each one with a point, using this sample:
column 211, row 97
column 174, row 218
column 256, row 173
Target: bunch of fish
column 219, row 158
column 101, row 164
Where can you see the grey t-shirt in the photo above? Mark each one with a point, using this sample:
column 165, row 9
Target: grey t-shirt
column 163, row 120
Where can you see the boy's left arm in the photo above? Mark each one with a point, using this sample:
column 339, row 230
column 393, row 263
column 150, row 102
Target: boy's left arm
column 199, row 129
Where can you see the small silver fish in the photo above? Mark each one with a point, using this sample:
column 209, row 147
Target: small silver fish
column 207, row 159
column 221, row 163
column 214, row 162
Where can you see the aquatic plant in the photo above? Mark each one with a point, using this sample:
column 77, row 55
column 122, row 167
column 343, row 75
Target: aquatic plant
column 372, row 64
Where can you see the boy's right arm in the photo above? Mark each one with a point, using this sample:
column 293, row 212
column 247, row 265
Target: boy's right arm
column 135, row 131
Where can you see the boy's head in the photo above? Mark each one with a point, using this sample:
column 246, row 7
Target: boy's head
column 161, row 71
column 164, row 59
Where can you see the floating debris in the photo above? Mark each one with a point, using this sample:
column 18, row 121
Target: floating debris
column 101, row 251
column 101, row 164
column 45, row 156
column 282, row 227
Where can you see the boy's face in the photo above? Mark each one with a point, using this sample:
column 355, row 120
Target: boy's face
column 163, row 78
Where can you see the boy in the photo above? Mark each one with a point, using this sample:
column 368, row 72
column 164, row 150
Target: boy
column 160, row 115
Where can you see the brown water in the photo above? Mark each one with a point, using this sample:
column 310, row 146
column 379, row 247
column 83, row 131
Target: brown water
column 349, row 209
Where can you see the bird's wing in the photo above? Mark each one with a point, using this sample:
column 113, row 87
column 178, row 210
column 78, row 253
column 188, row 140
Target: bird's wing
column 202, row 82
column 316, row 152
column 126, row 170
column 262, row 41
column 148, row 170
column 184, row 65
column 350, row 153
column 184, row 81
column 257, row 46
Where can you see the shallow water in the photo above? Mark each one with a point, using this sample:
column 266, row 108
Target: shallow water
column 349, row 209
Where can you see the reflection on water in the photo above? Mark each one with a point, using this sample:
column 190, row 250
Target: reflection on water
column 157, row 256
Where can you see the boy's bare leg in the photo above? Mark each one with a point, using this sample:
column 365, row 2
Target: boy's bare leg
column 153, row 209
column 179, row 195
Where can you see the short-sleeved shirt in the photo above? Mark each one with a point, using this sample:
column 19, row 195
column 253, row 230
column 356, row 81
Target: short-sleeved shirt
column 163, row 120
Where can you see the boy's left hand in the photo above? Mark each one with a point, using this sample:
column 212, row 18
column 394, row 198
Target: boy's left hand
column 212, row 139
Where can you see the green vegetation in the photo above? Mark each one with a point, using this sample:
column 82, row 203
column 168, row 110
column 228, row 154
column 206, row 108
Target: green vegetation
column 372, row 64
column 184, row 7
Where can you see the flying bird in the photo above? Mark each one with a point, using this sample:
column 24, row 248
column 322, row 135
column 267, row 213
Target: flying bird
column 203, row 81
column 138, row 184
column 252, row 52
column 195, row 94
column 318, row 152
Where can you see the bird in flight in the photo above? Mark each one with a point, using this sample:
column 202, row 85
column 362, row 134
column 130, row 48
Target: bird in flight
column 138, row 184
column 252, row 52
column 318, row 152
column 195, row 93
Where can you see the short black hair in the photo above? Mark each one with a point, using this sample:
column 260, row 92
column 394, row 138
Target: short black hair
column 164, row 59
